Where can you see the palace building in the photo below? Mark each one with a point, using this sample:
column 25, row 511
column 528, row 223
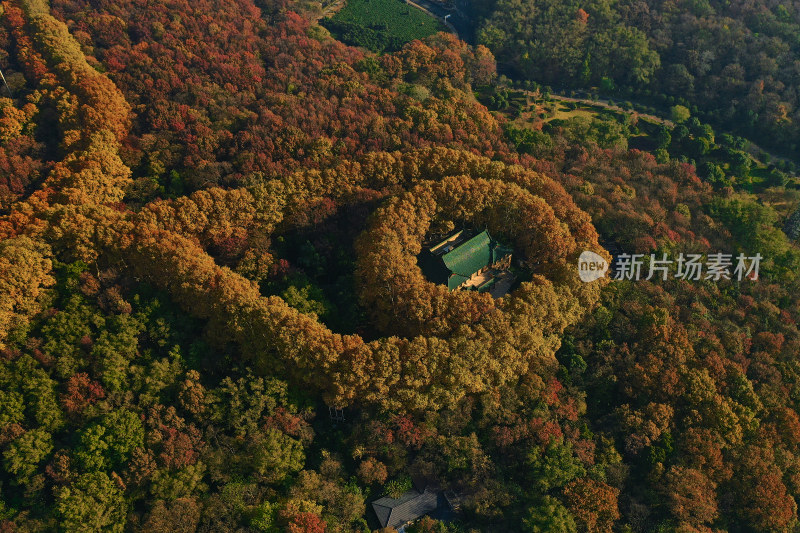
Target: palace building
column 461, row 261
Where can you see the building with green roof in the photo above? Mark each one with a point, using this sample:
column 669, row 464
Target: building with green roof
column 458, row 259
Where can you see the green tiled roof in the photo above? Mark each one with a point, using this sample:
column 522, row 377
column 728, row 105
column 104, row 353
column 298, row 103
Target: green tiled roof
column 470, row 256
column 459, row 264
column 454, row 281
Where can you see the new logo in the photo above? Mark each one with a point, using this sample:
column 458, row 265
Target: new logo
column 591, row 266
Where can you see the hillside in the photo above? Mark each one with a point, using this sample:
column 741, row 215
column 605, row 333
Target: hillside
column 213, row 318
column 732, row 63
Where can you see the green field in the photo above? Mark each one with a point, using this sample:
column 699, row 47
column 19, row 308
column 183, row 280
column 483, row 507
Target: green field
column 565, row 113
column 381, row 25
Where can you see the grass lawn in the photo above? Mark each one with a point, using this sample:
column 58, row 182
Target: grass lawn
column 393, row 17
column 759, row 174
column 563, row 113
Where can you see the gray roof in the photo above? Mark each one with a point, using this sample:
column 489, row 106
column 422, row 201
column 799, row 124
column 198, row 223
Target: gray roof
column 394, row 512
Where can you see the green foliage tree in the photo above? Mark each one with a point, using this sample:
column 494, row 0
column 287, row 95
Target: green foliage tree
column 549, row 515
column 679, row 114
column 663, row 137
column 741, row 163
column 92, row 504
column 24, row 455
column 277, row 455
column 306, row 299
column 397, row 487
column 32, row 382
column 712, row 172
column 12, row 408
column 109, row 443
column 240, row 404
column 265, row 518
column 552, row 467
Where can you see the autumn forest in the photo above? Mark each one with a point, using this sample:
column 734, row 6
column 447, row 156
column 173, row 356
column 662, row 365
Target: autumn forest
column 213, row 316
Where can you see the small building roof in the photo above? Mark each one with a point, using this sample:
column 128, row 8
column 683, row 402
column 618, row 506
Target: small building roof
column 394, row 512
column 450, row 242
column 454, row 260
column 471, row 256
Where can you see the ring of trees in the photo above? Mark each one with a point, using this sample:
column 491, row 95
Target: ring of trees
column 402, row 301
column 164, row 245
column 407, row 372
